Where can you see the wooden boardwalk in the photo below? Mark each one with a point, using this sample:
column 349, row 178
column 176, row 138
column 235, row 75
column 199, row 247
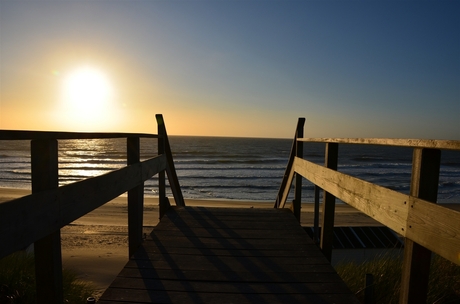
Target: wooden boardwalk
column 228, row 255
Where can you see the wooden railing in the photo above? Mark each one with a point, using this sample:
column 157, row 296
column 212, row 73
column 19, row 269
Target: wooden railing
column 37, row 218
column 426, row 227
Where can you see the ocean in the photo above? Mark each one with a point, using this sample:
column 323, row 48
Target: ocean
column 228, row 168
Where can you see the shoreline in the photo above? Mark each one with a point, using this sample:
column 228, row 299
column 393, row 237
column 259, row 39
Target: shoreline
column 96, row 245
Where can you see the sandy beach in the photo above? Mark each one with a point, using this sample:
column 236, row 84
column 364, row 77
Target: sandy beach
column 96, row 245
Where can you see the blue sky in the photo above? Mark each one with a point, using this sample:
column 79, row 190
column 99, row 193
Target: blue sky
column 238, row 68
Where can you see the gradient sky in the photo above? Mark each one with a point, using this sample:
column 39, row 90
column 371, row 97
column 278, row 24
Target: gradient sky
column 236, row 68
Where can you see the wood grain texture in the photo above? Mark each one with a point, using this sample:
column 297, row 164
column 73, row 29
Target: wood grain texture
column 410, row 143
column 435, row 227
column 228, row 255
column 384, row 205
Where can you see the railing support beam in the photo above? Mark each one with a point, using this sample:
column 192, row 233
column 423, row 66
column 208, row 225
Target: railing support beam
column 297, row 203
column 48, row 259
column 327, row 226
column 170, row 169
column 135, row 199
column 285, row 187
column 417, row 259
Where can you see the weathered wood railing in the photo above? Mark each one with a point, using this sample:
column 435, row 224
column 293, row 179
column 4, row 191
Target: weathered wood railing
column 426, row 227
column 37, row 218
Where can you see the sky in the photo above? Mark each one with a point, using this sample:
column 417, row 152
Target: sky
column 386, row 69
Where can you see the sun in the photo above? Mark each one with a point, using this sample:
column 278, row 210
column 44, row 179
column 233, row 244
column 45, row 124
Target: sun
column 87, row 98
column 87, row 88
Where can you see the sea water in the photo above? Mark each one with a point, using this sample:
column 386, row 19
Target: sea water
column 229, row 168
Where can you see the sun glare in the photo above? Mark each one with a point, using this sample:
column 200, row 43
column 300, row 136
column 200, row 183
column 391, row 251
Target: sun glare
column 86, row 98
column 87, row 88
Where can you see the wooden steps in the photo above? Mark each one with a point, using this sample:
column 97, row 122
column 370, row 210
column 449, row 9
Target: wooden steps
column 228, row 255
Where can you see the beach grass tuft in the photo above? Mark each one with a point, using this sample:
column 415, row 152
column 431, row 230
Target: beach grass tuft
column 444, row 282
column 17, row 281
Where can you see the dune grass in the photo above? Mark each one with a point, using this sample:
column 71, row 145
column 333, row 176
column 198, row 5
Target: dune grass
column 17, row 281
column 444, row 283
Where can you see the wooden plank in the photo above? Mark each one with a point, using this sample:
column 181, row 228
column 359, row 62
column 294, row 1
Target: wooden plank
column 327, row 225
column 440, row 232
column 27, row 219
column 417, row 259
column 187, row 242
column 170, row 169
column 162, row 199
column 226, row 266
column 255, row 252
column 318, row 276
column 229, row 233
column 286, row 182
column 230, row 224
column 135, row 198
column 296, row 203
column 230, row 287
column 386, row 206
column 263, row 213
column 436, row 228
column 47, row 250
column 190, row 264
column 227, row 262
column 118, row 295
column 285, row 192
column 410, row 143
column 46, row 135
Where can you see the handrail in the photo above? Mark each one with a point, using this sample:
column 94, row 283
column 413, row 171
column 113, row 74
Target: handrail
column 32, row 135
column 32, row 217
column 38, row 217
column 396, row 142
column 288, row 177
column 426, row 226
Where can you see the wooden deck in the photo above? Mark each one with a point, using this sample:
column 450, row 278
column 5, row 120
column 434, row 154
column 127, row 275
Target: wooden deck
column 228, row 255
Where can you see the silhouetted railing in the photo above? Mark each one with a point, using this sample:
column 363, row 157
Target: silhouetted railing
column 37, row 218
column 427, row 227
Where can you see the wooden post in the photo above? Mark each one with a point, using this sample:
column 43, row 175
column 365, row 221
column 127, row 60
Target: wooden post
column 48, row 259
column 170, row 169
column 300, row 124
column 316, row 215
column 135, row 199
column 327, row 226
column 162, row 199
column 369, row 289
column 297, row 203
column 417, row 259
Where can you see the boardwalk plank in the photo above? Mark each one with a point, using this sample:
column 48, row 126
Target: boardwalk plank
column 228, row 287
column 321, row 275
column 115, row 295
column 228, row 255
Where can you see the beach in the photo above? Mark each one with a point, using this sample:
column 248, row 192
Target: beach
column 96, row 245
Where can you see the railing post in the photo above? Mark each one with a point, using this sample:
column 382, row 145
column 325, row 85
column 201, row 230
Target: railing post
column 327, row 226
column 170, row 169
column 284, row 181
column 316, row 215
column 135, row 199
column 417, row 259
column 48, row 259
column 162, row 199
column 297, row 203
column 369, row 289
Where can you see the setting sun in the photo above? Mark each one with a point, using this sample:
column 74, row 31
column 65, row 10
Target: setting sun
column 87, row 89
column 86, row 101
